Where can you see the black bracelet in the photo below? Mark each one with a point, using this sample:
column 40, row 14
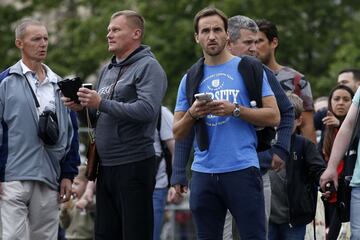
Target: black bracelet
column 195, row 118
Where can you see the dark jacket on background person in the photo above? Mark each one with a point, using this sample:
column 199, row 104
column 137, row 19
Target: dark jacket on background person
column 303, row 172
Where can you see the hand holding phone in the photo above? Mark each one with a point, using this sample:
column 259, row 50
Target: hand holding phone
column 204, row 97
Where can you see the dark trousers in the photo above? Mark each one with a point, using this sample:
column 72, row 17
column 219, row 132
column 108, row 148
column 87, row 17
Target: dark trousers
column 241, row 192
column 124, row 209
column 332, row 220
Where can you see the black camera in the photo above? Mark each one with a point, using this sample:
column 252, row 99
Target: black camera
column 70, row 87
column 48, row 127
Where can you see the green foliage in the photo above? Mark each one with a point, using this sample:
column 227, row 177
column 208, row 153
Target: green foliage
column 316, row 37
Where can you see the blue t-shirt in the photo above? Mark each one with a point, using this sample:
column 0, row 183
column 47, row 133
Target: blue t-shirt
column 355, row 181
column 232, row 141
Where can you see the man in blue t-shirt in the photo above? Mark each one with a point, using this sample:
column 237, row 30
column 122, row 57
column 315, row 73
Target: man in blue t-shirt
column 225, row 171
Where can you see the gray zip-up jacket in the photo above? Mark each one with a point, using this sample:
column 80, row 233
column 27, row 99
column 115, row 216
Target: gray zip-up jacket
column 129, row 108
column 23, row 154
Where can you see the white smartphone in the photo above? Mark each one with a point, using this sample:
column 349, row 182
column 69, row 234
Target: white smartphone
column 203, row 97
column 87, row 85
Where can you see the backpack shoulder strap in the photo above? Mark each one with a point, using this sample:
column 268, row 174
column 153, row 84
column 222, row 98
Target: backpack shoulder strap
column 251, row 71
column 193, row 78
column 158, row 126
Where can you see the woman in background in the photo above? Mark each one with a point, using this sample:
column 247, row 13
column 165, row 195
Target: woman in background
column 338, row 106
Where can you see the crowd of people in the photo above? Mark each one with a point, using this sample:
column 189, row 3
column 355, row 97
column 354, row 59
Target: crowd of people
column 257, row 167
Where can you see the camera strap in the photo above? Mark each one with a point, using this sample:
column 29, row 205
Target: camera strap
column 32, row 92
column 89, row 125
column 121, row 72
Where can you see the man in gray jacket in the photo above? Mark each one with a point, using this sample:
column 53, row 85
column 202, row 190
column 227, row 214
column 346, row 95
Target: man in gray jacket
column 32, row 172
column 128, row 99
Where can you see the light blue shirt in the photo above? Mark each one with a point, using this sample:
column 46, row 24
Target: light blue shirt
column 232, row 141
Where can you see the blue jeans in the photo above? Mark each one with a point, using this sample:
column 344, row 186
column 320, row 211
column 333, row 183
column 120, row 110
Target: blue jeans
column 159, row 201
column 355, row 213
column 285, row 232
column 240, row 191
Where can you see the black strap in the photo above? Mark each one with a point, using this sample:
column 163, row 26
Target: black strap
column 314, row 232
column 165, row 152
column 158, row 127
column 121, row 72
column 193, row 79
column 251, row 71
column 32, row 92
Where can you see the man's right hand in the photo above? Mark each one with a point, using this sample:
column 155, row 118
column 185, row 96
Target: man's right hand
column 173, row 196
column 176, row 193
column 330, row 175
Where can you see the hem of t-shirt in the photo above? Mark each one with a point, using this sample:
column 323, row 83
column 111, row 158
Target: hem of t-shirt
column 224, row 170
column 125, row 160
column 356, row 184
column 180, row 109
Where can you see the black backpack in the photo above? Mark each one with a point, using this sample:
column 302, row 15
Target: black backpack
column 251, row 70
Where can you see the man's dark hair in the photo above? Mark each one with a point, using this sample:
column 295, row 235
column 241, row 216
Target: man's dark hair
column 209, row 11
column 268, row 28
column 354, row 71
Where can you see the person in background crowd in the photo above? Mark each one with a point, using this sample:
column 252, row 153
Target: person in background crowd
column 88, row 196
column 78, row 223
column 163, row 135
column 35, row 174
column 294, row 188
column 339, row 104
column 125, row 107
column 349, row 77
column 290, row 79
column 242, row 41
column 321, row 103
column 339, row 147
column 320, row 107
column 222, row 160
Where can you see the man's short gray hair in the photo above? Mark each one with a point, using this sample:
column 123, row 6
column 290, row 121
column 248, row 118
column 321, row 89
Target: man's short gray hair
column 240, row 22
column 24, row 23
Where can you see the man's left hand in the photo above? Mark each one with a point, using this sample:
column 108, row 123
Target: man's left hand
column 65, row 190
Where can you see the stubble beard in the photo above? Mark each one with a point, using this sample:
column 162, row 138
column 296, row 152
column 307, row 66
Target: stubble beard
column 265, row 59
column 216, row 51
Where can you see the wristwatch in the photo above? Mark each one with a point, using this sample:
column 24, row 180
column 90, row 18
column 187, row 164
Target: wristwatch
column 236, row 112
